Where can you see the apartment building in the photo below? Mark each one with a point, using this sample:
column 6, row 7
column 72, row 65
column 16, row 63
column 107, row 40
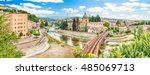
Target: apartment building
column 18, row 23
column 32, row 25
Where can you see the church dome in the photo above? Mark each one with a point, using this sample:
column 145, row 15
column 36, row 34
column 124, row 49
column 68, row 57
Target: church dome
column 85, row 15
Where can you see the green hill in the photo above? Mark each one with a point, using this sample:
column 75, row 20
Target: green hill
column 31, row 17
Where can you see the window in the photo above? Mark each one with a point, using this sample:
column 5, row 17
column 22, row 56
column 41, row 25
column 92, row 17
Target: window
column 20, row 23
column 20, row 26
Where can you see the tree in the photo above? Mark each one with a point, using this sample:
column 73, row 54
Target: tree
column 64, row 25
column 7, row 38
column 42, row 24
column 92, row 19
column 139, row 48
column 107, row 24
column 20, row 34
column 86, row 28
column 77, row 22
column 118, row 23
column 97, row 18
column 46, row 23
column 74, row 25
column 32, row 17
column 58, row 24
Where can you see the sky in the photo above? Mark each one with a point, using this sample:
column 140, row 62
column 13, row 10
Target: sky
column 118, row 9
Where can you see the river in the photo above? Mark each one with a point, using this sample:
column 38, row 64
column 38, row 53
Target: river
column 72, row 41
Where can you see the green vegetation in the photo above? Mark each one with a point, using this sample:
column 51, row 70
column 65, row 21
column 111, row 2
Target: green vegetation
column 13, row 10
column 42, row 24
column 74, row 25
column 140, row 48
column 51, row 40
column 86, row 28
column 64, row 25
column 57, row 24
column 114, row 29
column 31, row 17
column 78, row 54
column 95, row 18
column 7, row 38
column 46, row 23
column 20, row 34
column 35, row 32
column 107, row 24
column 142, row 23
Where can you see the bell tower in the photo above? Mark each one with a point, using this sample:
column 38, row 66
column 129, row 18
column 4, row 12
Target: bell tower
column 85, row 18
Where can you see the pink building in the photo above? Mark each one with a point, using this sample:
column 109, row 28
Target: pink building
column 18, row 23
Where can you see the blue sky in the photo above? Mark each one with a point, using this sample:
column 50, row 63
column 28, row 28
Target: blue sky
column 120, row 9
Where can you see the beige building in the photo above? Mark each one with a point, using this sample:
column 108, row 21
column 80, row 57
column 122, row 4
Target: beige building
column 32, row 25
column 93, row 27
column 18, row 23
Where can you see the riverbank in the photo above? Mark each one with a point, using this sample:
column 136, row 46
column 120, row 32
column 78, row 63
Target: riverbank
column 57, row 51
column 80, row 35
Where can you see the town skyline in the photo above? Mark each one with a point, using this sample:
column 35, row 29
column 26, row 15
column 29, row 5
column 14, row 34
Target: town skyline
column 124, row 9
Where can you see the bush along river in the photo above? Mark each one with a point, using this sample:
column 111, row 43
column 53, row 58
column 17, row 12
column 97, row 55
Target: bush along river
column 71, row 41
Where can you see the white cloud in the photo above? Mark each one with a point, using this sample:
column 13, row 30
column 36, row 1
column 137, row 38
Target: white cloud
column 105, row 12
column 133, row 0
column 95, row 9
column 135, row 4
column 6, row 0
column 33, row 10
column 113, row 7
column 126, row 16
column 53, row 1
column 82, row 7
column 30, row 5
column 78, row 15
column 144, row 5
column 131, row 4
column 126, row 7
column 144, row 8
column 71, row 10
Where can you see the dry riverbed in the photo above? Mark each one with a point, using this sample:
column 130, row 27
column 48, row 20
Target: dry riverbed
column 57, row 51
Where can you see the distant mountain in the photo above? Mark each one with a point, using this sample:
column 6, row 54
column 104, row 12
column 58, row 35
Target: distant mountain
column 48, row 19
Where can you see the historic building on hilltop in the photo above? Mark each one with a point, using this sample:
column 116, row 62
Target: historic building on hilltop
column 93, row 27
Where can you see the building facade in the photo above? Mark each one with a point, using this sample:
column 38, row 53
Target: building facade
column 93, row 27
column 32, row 25
column 18, row 23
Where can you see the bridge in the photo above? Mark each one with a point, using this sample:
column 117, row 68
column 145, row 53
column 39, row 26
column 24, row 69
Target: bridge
column 95, row 44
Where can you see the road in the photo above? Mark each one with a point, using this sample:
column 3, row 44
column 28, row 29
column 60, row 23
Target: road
column 40, row 46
